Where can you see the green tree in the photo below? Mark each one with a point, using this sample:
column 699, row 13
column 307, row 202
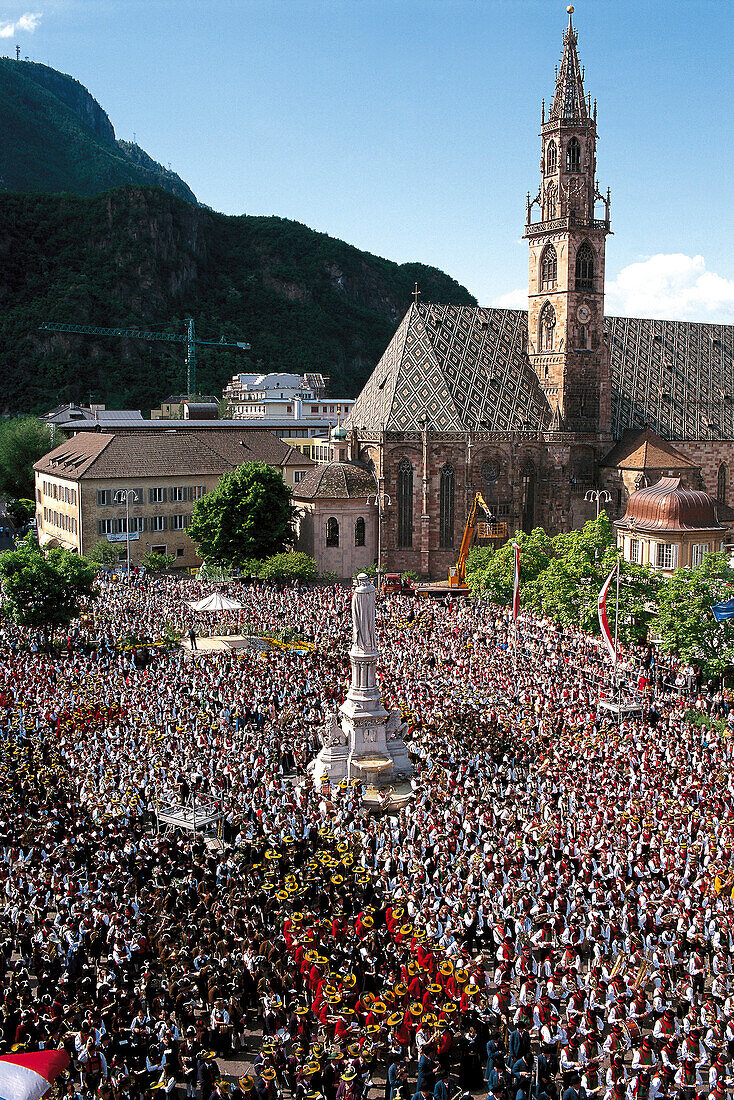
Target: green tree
column 247, row 515
column 44, row 590
column 158, row 563
column 684, row 622
column 496, row 577
column 23, row 440
column 567, row 590
column 104, row 553
column 21, row 511
column 290, row 566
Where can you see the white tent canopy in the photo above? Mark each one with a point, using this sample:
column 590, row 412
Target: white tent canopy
column 216, row 602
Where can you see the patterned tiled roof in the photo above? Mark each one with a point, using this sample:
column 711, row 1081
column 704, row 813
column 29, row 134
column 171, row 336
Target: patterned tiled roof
column 464, row 367
column 335, row 481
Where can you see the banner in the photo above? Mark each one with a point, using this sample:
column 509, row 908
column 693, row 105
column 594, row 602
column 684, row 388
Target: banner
column 29, row 1076
column 516, row 587
column 722, row 611
column 120, row 536
column 603, row 623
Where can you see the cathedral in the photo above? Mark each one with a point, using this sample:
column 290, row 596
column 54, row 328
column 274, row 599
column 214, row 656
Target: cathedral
column 533, row 408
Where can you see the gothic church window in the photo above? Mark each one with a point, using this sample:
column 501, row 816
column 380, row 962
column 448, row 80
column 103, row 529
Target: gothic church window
column 405, row 504
column 546, row 327
column 573, row 156
column 551, row 201
column 551, row 157
column 585, row 268
column 446, row 520
column 548, row 268
column 332, row 531
column 359, row 532
column 721, row 484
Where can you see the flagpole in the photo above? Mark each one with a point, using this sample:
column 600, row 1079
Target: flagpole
column 616, row 652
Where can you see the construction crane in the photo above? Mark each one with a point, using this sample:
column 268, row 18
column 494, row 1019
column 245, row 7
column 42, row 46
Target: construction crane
column 488, row 528
column 189, row 338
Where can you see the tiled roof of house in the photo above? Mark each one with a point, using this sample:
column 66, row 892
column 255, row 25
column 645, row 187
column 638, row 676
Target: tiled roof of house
column 645, row 450
column 336, row 481
column 164, row 454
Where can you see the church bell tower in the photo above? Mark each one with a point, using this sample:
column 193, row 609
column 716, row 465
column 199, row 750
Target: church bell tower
column 566, row 293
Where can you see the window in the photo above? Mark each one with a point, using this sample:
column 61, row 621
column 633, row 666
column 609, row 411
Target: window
column 332, row 532
column 546, row 327
column 176, row 494
column 573, row 156
column 585, row 267
column 298, row 475
column 178, row 522
column 158, row 549
column 359, row 532
column 721, row 484
column 634, row 555
column 666, row 555
column 548, row 268
column 446, row 506
column 157, row 495
column 405, row 504
column 108, row 527
column 158, row 523
column 551, row 201
column 199, row 492
column 104, row 497
column 699, row 550
column 179, row 551
column 551, row 157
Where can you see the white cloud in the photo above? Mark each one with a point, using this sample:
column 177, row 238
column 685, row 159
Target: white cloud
column 671, row 286
column 28, row 22
column 514, row 299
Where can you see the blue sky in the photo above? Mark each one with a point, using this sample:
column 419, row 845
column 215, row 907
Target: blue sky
column 409, row 127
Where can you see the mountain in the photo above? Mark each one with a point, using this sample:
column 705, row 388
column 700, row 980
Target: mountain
column 54, row 136
column 140, row 257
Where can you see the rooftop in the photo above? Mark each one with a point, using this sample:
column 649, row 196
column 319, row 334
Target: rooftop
column 667, row 508
column 336, row 481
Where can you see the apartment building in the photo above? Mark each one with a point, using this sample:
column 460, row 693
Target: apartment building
column 142, row 487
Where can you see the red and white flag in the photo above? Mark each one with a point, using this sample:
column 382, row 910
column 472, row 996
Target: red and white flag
column 29, row 1076
column 603, row 623
column 516, row 587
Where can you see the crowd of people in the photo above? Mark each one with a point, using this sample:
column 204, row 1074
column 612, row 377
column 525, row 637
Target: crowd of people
column 550, row 914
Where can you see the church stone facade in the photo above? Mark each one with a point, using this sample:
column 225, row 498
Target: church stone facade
column 524, row 405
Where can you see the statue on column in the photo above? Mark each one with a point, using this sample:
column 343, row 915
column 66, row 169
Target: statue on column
column 363, row 615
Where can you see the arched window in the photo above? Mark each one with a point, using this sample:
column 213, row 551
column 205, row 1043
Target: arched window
column 585, row 267
column 405, row 504
column 548, row 268
column 573, row 156
column 551, row 201
column 551, row 157
column 721, row 484
column 546, row 327
column 446, row 523
column 527, row 479
column 359, row 531
column 332, row 531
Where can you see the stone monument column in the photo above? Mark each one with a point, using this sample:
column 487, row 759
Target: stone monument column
column 358, row 748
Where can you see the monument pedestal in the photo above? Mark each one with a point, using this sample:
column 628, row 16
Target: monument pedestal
column 365, row 743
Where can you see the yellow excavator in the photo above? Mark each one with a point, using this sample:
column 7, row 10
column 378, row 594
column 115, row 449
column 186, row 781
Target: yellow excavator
column 488, row 528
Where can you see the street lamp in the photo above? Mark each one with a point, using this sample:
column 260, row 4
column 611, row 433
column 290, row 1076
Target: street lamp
column 598, row 495
column 380, row 498
column 120, row 495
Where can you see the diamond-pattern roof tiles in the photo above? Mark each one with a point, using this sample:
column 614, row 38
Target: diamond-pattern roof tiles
column 465, row 368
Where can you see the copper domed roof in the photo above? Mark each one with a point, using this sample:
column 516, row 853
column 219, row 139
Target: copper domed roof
column 665, row 506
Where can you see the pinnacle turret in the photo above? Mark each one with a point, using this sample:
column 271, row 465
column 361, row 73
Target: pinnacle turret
column 569, row 103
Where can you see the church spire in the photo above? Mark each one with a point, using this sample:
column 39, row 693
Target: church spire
column 569, row 103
